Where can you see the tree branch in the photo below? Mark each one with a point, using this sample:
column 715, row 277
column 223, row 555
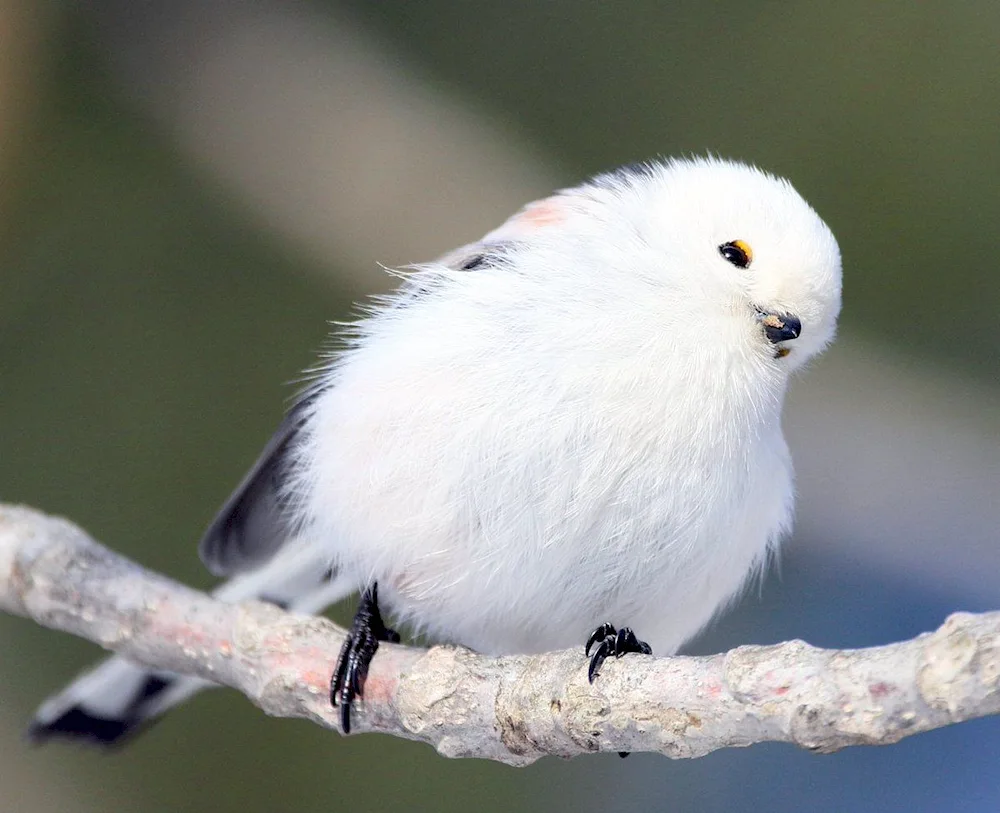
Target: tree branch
column 512, row 709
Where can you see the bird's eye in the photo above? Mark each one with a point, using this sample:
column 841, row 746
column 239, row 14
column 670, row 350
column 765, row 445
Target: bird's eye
column 737, row 252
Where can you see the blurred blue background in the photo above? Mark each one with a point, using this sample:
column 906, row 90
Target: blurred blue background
column 190, row 190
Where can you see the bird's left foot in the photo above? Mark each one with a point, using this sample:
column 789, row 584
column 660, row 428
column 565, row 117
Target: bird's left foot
column 356, row 655
column 611, row 641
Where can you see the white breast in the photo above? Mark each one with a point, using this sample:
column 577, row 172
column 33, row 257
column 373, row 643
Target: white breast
column 512, row 507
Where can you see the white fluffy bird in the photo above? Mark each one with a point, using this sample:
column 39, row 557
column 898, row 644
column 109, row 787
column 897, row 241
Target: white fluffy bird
column 575, row 420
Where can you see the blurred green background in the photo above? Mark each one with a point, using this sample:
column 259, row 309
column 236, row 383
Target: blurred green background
column 190, row 191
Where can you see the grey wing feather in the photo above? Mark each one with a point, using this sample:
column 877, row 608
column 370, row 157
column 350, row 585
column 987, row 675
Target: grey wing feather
column 252, row 525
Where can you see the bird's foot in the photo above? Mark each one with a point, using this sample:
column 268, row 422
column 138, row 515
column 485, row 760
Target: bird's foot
column 348, row 680
column 610, row 641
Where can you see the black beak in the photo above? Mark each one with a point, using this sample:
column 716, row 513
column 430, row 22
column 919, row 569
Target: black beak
column 780, row 327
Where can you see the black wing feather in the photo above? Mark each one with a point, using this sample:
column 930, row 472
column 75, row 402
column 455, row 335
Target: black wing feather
column 252, row 525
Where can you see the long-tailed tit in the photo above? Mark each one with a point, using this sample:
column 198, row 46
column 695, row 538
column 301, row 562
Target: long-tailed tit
column 569, row 428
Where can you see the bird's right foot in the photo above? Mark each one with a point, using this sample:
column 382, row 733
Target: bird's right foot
column 356, row 655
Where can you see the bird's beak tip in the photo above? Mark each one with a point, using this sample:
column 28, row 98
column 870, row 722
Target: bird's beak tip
column 781, row 327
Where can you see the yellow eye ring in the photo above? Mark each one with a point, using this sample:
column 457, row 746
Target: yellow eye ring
column 737, row 252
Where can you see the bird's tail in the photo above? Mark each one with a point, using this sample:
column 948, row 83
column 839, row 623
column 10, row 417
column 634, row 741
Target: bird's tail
column 116, row 699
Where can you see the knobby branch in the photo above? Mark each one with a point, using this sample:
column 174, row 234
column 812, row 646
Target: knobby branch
column 513, row 709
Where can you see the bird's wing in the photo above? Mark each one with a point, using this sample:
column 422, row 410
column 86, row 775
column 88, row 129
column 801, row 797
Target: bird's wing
column 521, row 227
column 253, row 524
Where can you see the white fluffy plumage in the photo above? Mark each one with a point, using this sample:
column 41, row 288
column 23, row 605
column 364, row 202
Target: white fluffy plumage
column 585, row 426
column 576, row 419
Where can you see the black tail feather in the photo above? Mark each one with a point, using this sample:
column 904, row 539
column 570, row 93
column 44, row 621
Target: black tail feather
column 80, row 724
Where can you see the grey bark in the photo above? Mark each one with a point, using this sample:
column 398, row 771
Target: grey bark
column 511, row 709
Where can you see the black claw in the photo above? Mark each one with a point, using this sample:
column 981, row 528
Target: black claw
column 600, row 655
column 626, row 641
column 356, row 655
column 611, row 641
column 599, row 634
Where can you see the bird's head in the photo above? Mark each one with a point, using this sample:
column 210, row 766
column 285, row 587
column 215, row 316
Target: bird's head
column 750, row 257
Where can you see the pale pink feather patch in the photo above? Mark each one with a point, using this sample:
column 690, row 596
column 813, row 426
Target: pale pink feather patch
column 537, row 215
column 542, row 213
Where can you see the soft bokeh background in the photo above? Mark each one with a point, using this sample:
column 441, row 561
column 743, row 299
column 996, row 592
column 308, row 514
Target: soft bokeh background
column 189, row 190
